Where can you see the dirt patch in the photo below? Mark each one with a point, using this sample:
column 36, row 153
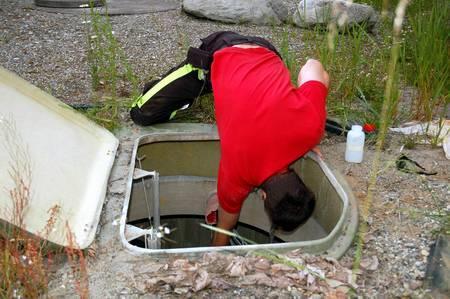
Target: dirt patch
column 403, row 221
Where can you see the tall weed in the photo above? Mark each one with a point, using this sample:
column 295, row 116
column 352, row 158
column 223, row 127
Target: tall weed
column 389, row 101
column 428, row 49
column 109, row 70
column 355, row 60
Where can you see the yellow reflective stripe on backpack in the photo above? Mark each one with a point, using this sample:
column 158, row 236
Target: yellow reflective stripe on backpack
column 178, row 73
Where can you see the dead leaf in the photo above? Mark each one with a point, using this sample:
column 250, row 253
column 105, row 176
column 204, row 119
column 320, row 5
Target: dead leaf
column 295, row 253
column 180, row 263
column 281, row 267
column 257, row 278
column 201, row 280
column 262, row 264
column 217, row 261
column 173, row 279
column 298, row 277
column 220, row 283
column 148, row 268
column 151, row 282
column 335, row 294
column 211, row 257
column 343, row 275
column 333, row 261
column 282, row 282
column 370, row 263
column 238, row 267
column 92, row 250
column 141, row 286
column 310, row 279
column 315, row 271
column 185, row 265
column 334, row 283
column 181, row 291
column 369, row 237
column 343, row 289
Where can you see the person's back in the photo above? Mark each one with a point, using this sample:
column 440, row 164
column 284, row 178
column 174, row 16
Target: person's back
column 265, row 123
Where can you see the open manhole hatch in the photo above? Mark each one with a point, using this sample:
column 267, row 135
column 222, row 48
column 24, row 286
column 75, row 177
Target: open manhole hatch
column 171, row 177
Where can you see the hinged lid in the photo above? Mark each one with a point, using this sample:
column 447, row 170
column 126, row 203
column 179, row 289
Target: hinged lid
column 69, row 158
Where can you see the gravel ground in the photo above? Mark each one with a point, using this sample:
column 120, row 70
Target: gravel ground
column 48, row 50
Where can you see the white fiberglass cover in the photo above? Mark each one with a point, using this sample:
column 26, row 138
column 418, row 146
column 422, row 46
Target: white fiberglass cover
column 54, row 157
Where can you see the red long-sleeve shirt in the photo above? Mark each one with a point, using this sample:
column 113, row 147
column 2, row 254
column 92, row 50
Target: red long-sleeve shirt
column 265, row 123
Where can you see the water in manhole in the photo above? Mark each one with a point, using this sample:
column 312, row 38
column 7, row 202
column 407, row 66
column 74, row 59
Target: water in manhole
column 185, row 231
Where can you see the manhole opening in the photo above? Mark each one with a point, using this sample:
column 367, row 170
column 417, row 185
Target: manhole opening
column 180, row 170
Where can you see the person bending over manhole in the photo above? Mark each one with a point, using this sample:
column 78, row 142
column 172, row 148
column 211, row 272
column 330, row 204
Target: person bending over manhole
column 264, row 122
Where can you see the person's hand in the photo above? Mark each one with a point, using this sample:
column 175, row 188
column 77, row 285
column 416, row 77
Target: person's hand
column 317, row 151
column 212, row 205
column 313, row 70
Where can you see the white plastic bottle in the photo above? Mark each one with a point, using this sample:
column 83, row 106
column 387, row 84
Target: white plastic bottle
column 354, row 149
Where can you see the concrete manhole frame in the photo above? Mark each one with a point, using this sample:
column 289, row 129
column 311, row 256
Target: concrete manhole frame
column 335, row 244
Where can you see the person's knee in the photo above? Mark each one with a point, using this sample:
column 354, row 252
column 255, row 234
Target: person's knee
column 313, row 70
column 145, row 118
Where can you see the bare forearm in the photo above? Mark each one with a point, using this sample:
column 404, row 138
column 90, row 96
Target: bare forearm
column 226, row 221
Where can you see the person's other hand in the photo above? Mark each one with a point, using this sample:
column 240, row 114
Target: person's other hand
column 313, row 70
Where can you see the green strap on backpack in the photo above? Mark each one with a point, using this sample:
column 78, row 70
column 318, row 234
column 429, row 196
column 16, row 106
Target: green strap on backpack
column 178, row 73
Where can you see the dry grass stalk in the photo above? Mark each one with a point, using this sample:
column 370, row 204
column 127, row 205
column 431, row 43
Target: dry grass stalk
column 77, row 262
column 384, row 124
column 23, row 267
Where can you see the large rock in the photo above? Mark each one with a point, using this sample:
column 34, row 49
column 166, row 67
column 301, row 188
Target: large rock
column 321, row 12
column 238, row 11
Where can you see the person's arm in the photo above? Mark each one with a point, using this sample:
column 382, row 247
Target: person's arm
column 226, row 221
column 313, row 70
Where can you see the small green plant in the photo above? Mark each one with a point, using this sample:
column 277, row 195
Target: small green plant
column 109, row 70
column 410, row 141
column 442, row 215
column 355, row 61
column 107, row 113
column 443, row 218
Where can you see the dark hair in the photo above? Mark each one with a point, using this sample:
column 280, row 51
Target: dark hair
column 289, row 202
